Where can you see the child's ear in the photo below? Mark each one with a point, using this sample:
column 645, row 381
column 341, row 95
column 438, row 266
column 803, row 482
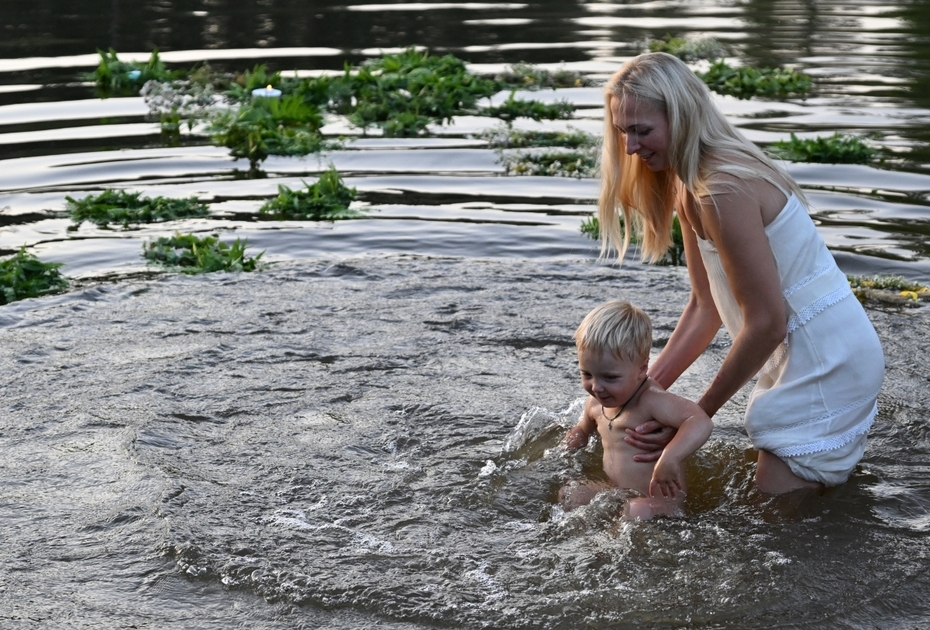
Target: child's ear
column 644, row 368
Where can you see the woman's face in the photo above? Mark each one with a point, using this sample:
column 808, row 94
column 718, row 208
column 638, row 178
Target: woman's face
column 643, row 130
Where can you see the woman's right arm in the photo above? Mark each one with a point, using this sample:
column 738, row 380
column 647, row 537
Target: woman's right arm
column 696, row 328
column 699, row 322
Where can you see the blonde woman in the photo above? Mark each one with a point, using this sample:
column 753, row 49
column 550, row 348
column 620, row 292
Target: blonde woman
column 756, row 264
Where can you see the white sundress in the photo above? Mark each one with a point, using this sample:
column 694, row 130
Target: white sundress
column 816, row 398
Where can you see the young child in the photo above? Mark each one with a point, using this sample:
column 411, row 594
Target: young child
column 613, row 343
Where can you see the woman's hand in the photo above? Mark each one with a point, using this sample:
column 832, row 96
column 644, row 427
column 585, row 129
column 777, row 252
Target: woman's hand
column 650, row 437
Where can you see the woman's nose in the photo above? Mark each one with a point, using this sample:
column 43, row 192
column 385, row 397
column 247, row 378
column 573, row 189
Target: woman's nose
column 632, row 144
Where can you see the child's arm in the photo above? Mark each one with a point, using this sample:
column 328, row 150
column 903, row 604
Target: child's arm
column 577, row 436
column 694, row 427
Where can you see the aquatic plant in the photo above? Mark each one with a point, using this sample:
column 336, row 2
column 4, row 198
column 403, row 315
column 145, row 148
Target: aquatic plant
column 887, row 289
column 191, row 254
column 119, row 78
column 837, row 149
column 506, row 137
column 746, row 82
column 269, row 126
column 688, row 49
column 327, row 199
column 22, row 276
column 124, row 208
column 240, row 88
column 554, row 163
column 532, row 77
column 514, row 108
column 404, row 93
column 179, row 101
column 675, row 256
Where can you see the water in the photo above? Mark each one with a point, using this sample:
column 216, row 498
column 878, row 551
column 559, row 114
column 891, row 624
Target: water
column 365, row 433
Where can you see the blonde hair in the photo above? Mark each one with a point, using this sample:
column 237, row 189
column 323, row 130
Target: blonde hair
column 702, row 142
column 618, row 327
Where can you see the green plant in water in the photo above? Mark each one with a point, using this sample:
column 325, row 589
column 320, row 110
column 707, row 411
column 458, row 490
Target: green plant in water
column 22, row 276
column 880, row 287
column 404, row 93
column 119, row 207
column 119, row 78
column 746, row 82
column 837, row 149
column 564, row 163
column 688, row 50
column 531, row 77
column 505, row 137
column 327, row 199
column 514, row 108
column 191, row 254
column 268, row 126
column 675, row 256
column 178, row 102
column 240, row 89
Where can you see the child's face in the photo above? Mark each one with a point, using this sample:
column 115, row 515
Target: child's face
column 609, row 379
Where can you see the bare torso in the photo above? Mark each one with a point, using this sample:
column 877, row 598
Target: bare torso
column 619, row 465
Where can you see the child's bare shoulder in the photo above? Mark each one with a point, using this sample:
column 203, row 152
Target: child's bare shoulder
column 665, row 407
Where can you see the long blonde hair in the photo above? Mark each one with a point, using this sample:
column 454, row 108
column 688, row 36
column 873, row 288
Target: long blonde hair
column 701, row 142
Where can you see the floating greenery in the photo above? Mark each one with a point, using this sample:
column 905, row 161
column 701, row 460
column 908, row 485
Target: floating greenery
column 22, row 276
column 405, row 92
column 893, row 289
column 327, row 199
column 240, row 88
column 178, row 102
column 553, row 163
column 514, row 108
column 531, row 77
column 747, row 82
column 506, row 137
column 270, row 126
column 688, row 49
column 675, row 256
column 191, row 254
column 836, row 149
column 401, row 94
column 119, row 207
column 119, row 78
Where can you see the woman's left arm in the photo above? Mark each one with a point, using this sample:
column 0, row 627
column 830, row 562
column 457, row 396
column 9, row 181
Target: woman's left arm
column 732, row 219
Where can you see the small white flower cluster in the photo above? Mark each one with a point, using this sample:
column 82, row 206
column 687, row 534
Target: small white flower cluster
column 184, row 99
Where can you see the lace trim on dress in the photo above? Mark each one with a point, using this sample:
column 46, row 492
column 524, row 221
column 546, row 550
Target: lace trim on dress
column 827, row 416
column 804, row 316
column 808, row 313
column 807, row 280
column 830, row 444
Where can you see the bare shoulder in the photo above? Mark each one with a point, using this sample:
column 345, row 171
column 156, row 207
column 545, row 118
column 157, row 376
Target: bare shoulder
column 731, row 196
column 665, row 407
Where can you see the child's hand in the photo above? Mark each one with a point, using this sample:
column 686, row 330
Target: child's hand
column 667, row 480
column 575, row 438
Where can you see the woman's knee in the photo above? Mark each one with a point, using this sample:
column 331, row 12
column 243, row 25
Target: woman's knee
column 774, row 476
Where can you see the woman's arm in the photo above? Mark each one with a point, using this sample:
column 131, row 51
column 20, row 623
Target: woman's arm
column 733, row 220
column 699, row 321
column 696, row 327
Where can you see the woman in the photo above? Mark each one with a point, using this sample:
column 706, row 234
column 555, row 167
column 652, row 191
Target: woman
column 755, row 262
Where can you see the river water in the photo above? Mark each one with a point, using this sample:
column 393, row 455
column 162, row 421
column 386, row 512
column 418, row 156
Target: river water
column 364, row 434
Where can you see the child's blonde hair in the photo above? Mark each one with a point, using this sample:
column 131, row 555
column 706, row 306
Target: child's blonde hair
column 618, row 327
column 702, row 142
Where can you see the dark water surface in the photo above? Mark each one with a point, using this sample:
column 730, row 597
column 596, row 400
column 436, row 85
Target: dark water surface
column 364, row 434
